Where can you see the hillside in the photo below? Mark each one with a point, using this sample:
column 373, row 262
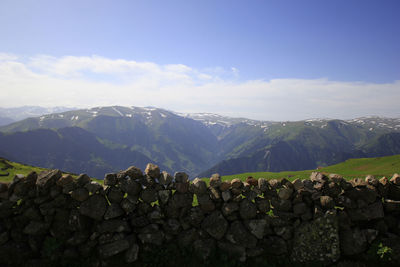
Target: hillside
column 349, row 169
column 202, row 143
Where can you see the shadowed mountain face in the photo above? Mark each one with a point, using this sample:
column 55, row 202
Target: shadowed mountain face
column 104, row 139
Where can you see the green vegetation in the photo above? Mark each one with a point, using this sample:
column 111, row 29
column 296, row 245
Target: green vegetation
column 352, row 168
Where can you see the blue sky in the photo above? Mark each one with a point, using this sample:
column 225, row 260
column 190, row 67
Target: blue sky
column 233, row 42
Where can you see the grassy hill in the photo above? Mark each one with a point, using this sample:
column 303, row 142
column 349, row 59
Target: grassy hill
column 352, row 168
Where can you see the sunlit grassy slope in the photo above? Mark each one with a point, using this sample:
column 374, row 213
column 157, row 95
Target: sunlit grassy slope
column 18, row 168
column 352, row 168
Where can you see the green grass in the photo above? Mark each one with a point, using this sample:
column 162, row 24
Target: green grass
column 18, row 168
column 352, row 168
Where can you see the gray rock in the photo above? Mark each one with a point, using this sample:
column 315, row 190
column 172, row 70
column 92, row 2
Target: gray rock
column 352, row 241
column 226, row 195
column 215, row 225
column 198, row 186
column 298, row 184
column 134, row 172
column 259, row 228
column 395, row 179
column 93, row 187
column 238, row 234
column 127, row 205
column 181, row 177
column 247, row 209
column 281, row 204
column 83, row 179
column 263, row 185
column 130, row 186
column 46, row 179
column 114, row 194
column 327, row 202
column 300, row 208
column 110, row 179
column 215, row 180
column 148, row 195
column 113, row 211
column 317, row 241
column 236, row 184
column 80, row 194
column 164, row 196
column 285, row 193
column 182, row 187
column 152, row 170
column 110, row 226
column 233, row 250
column 318, row 177
column 114, row 248
column 36, row 228
column 204, row 248
column 165, row 178
column 131, row 255
column 94, row 207
column 263, row 205
column 371, row 180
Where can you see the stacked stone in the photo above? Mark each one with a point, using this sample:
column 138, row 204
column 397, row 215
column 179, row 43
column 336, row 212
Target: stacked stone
column 57, row 217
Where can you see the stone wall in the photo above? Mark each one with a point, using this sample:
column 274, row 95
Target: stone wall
column 136, row 217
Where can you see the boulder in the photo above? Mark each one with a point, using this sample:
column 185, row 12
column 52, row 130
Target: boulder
column 236, row 184
column 94, row 187
column 83, row 179
column 285, row 193
column 165, row 178
column 113, row 211
column 352, row 241
column 395, row 179
column 110, row 179
column 94, row 207
column 47, row 179
column 80, row 194
column 259, row 227
column 114, row 194
column 152, row 170
column 134, row 173
column 327, row 202
column 215, row 180
column 198, row 186
column 248, row 209
column 317, row 241
column 229, row 208
column 114, row 248
column 318, row 177
column 367, row 213
column 181, row 177
column 225, row 185
column 238, row 234
column 371, row 180
column 215, row 225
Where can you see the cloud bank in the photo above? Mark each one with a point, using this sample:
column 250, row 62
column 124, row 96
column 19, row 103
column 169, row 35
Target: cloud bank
column 98, row 81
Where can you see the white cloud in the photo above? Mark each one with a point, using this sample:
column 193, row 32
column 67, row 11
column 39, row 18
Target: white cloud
column 95, row 81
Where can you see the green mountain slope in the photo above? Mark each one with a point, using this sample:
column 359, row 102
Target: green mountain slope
column 351, row 168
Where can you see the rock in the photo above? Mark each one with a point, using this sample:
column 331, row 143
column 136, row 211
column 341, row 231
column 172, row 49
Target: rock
column 198, row 186
column 151, row 235
column 214, row 193
column 367, row 213
column 233, row 251
column 317, row 241
column 114, row 194
column 164, row 196
column 281, row 204
column 352, row 241
column 93, row 187
column 300, row 208
column 251, row 181
column 298, row 184
column 113, row 211
column 258, row 228
column 395, row 179
column 3, row 187
column 371, row 180
column 80, row 194
column 46, row 179
column 215, row 225
column 285, row 193
column 182, row 187
column 134, row 173
column 364, row 193
column 94, row 207
column 114, row 248
column 238, row 234
column 204, row 248
column 274, row 245
column 327, row 202
column 236, row 184
column 318, row 177
column 172, row 226
column 215, row 180
column 149, row 195
column 152, row 170
column 229, row 208
column 131, row 255
column 83, row 179
column 127, row 205
column 274, row 183
column 247, row 210
column 165, row 178
column 392, row 205
column 115, row 225
column 36, row 228
column 110, row 179
column 226, row 195
column 225, row 185
column 181, row 177
column 336, row 178
column 358, row 182
column 130, row 186
column 65, row 179
column 263, row 185
column 263, row 205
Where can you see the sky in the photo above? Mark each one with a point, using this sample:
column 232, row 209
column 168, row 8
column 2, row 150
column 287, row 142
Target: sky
column 261, row 59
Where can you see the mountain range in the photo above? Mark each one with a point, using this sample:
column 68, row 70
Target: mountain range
column 107, row 139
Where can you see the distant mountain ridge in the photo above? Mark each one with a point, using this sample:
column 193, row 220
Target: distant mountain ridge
column 203, row 143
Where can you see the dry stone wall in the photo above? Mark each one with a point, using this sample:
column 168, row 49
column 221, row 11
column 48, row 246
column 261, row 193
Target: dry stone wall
column 136, row 216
